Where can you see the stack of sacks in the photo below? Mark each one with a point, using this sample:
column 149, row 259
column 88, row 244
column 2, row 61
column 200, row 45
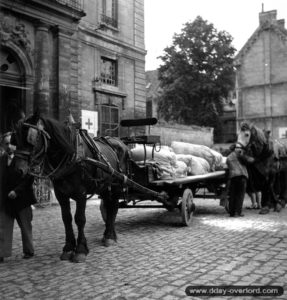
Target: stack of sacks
column 181, row 169
column 164, row 157
column 214, row 158
column 195, row 165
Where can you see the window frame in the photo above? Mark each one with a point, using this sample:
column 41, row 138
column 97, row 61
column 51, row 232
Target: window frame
column 110, row 13
column 113, row 125
column 108, row 79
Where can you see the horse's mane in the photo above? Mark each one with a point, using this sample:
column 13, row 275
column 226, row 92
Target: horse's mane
column 260, row 143
column 61, row 135
column 258, row 136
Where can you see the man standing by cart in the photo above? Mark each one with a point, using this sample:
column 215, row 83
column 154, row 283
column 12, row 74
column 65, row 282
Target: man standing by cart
column 6, row 221
column 238, row 177
column 17, row 198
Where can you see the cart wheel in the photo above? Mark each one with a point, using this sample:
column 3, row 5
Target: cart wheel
column 187, row 207
column 103, row 211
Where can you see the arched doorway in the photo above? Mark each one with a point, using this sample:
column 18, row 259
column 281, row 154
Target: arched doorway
column 12, row 102
column 15, row 85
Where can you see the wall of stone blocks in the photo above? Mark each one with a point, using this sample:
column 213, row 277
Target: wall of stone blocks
column 253, row 102
column 180, row 133
column 87, row 74
column 249, row 74
column 140, row 89
column 278, row 59
column 279, row 99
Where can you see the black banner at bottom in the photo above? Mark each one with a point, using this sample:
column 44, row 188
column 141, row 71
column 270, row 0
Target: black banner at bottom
column 234, row 290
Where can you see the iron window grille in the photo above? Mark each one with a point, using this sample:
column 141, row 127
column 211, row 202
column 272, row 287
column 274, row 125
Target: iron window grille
column 109, row 21
column 108, row 71
column 75, row 4
column 110, row 13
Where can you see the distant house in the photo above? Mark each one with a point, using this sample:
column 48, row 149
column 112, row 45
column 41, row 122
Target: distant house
column 261, row 76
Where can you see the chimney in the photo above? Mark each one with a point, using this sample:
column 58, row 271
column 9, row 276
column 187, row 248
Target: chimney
column 281, row 23
column 268, row 16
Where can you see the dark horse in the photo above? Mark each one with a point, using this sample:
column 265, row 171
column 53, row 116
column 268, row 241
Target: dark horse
column 49, row 150
column 266, row 166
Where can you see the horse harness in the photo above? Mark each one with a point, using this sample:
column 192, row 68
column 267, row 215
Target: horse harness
column 68, row 164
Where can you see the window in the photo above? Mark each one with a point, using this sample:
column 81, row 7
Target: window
column 108, row 71
column 109, row 120
column 110, row 13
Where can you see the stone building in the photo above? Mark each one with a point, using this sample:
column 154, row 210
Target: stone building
column 69, row 55
column 261, row 76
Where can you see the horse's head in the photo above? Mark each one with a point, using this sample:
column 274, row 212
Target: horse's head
column 30, row 140
column 251, row 137
column 23, row 150
column 244, row 135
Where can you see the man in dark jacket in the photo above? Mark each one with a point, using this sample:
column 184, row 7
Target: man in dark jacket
column 238, row 175
column 6, row 221
column 19, row 198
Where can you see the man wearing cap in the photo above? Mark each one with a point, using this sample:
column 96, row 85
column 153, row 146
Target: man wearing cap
column 18, row 198
column 6, row 221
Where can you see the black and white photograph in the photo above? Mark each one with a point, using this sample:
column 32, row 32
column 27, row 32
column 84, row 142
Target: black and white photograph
column 143, row 149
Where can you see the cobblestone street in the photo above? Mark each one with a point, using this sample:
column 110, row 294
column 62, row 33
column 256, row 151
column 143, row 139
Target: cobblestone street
column 156, row 258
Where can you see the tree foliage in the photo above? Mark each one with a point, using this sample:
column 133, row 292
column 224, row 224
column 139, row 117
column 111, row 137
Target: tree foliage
column 197, row 72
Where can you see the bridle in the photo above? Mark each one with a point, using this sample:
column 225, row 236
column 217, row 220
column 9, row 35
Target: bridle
column 239, row 145
column 40, row 158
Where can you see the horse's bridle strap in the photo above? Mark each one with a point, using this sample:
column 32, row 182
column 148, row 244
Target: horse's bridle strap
column 240, row 146
column 22, row 152
column 39, row 129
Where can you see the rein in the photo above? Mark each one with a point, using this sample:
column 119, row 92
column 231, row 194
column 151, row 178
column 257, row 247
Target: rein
column 41, row 157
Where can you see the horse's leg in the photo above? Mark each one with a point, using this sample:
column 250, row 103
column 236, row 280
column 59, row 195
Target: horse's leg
column 265, row 199
column 283, row 187
column 274, row 198
column 70, row 244
column 80, row 219
column 110, row 206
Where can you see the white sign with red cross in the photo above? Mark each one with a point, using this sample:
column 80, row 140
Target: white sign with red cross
column 282, row 132
column 90, row 121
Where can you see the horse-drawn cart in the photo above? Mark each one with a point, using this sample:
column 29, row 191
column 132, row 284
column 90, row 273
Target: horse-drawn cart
column 141, row 183
column 46, row 149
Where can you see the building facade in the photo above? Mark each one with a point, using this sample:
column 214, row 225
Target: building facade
column 261, row 76
column 61, row 56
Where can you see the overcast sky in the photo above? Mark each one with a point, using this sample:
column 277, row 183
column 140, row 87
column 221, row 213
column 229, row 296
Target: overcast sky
column 240, row 18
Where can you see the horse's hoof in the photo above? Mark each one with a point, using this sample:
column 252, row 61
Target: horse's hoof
column 278, row 207
column 108, row 242
column 264, row 211
column 79, row 258
column 67, row 255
